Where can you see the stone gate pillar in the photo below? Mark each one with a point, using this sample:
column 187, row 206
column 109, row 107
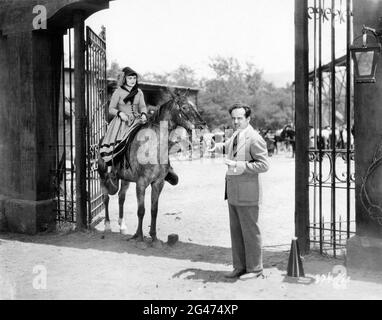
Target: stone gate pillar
column 30, row 67
column 365, row 249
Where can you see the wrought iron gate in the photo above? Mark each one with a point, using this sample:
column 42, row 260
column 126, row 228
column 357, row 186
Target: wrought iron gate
column 96, row 98
column 64, row 170
column 96, row 102
column 331, row 150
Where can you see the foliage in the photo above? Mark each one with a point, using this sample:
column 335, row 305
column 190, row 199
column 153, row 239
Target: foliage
column 271, row 106
column 182, row 76
column 232, row 82
column 113, row 70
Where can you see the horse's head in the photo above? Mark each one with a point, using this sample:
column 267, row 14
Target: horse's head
column 182, row 112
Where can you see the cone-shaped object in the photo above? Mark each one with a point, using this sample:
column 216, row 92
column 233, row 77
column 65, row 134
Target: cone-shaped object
column 295, row 268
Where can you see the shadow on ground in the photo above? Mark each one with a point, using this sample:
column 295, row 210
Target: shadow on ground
column 203, row 275
column 115, row 242
column 274, row 258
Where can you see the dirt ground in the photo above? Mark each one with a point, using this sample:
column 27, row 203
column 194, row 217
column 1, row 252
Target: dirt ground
column 94, row 265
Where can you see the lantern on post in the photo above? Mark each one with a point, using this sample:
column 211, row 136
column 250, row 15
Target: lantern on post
column 366, row 56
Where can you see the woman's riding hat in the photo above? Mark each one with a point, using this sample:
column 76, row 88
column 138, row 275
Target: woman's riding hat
column 129, row 72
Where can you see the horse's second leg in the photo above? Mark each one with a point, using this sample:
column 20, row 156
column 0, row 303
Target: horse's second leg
column 105, row 193
column 105, row 199
column 140, row 190
column 121, row 201
column 156, row 189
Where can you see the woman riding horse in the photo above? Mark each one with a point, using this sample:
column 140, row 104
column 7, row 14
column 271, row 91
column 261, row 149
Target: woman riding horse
column 128, row 107
column 145, row 160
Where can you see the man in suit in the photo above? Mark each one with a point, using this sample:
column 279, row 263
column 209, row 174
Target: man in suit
column 246, row 158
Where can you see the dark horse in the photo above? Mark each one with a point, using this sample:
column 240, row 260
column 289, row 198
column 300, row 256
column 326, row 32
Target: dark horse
column 286, row 135
column 289, row 136
column 135, row 166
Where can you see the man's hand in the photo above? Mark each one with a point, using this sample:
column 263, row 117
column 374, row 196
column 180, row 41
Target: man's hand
column 230, row 163
column 211, row 149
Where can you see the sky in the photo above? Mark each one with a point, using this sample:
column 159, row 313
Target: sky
column 160, row 35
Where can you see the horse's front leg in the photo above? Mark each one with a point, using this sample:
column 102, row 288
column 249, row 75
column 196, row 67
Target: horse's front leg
column 105, row 200
column 140, row 190
column 156, row 189
column 121, row 201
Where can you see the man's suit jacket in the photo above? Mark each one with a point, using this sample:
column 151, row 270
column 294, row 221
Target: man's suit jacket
column 243, row 187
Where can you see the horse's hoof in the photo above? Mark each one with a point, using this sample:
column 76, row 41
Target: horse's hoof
column 157, row 244
column 141, row 245
column 107, row 227
column 123, row 230
column 136, row 237
column 119, row 221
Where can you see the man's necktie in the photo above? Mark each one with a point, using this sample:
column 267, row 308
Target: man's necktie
column 234, row 146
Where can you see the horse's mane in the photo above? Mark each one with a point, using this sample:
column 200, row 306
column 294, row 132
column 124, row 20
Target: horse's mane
column 155, row 118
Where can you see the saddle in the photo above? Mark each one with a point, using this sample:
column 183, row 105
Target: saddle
column 171, row 176
column 124, row 146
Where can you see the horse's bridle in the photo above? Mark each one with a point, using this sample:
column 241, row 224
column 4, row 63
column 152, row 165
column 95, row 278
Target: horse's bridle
column 182, row 113
column 201, row 121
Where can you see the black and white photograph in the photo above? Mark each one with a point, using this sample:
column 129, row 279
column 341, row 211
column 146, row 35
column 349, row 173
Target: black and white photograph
column 196, row 153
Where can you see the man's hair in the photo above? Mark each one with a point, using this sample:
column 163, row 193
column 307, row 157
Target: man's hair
column 246, row 108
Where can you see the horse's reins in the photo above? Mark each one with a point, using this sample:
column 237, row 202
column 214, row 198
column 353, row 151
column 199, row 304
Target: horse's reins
column 115, row 140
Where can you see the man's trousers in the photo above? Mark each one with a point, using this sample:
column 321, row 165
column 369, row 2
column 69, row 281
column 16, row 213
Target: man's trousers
column 245, row 238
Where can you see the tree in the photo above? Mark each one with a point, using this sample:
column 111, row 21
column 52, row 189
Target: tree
column 236, row 83
column 232, row 82
column 182, row 76
column 156, row 77
column 114, row 70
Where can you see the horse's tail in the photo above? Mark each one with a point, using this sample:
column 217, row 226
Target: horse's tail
column 111, row 185
column 101, row 168
column 172, row 178
column 109, row 181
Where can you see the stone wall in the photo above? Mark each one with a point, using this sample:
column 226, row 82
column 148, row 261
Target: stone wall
column 30, row 64
column 367, row 123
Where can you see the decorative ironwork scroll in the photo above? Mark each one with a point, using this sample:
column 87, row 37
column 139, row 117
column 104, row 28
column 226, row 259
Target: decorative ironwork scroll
column 325, row 13
column 96, row 113
column 374, row 210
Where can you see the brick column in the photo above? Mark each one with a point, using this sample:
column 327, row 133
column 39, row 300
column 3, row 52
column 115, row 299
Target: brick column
column 30, row 64
column 365, row 249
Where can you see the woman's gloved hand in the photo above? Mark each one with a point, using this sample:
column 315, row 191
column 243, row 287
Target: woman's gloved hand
column 143, row 118
column 123, row 116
